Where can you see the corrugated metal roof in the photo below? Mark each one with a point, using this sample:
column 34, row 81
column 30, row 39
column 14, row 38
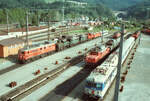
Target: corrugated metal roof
column 11, row 41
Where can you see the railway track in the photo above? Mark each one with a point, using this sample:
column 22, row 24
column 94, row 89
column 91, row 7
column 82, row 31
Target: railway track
column 125, row 67
column 64, row 90
column 29, row 85
column 39, row 81
column 17, row 65
column 110, row 92
column 60, row 31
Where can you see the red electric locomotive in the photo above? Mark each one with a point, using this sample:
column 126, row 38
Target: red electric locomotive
column 90, row 36
column 93, row 35
column 136, row 34
column 98, row 34
column 96, row 55
column 116, row 35
column 147, row 31
column 28, row 54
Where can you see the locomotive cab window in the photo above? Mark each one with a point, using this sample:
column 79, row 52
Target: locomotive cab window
column 90, row 84
column 98, row 85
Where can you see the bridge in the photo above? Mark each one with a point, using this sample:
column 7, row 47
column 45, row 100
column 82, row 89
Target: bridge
column 116, row 13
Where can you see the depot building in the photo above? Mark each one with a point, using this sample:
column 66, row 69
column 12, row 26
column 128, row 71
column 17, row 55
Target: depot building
column 11, row 46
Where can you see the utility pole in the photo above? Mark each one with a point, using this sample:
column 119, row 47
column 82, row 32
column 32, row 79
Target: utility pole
column 27, row 29
column 48, row 30
column 102, row 33
column 7, row 21
column 119, row 66
column 63, row 11
column 38, row 18
column 148, row 13
column 140, row 38
column 48, row 19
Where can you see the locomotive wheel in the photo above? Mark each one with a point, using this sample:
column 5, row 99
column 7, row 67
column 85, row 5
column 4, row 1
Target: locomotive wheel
column 64, row 48
column 38, row 56
column 29, row 60
column 32, row 59
column 42, row 55
column 48, row 53
column 22, row 61
column 35, row 58
column 26, row 61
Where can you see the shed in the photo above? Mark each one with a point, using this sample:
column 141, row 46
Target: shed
column 11, row 46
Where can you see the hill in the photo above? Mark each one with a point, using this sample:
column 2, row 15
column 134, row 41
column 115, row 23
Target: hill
column 52, row 10
column 140, row 10
column 113, row 4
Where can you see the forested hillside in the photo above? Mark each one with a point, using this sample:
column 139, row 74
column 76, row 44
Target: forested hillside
column 16, row 10
column 139, row 11
column 53, row 10
column 114, row 4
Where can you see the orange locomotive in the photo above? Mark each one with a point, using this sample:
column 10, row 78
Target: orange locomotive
column 136, row 34
column 98, row 34
column 25, row 55
column 90, row 36
column 116, row 35
column 147, row 31
column 96, row 55
column 93, row 35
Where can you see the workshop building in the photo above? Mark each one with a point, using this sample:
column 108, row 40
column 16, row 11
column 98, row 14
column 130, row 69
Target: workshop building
column 11, row 46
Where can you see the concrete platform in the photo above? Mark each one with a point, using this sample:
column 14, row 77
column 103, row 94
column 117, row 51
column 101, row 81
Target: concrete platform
column 26, row 73
column 4, row 63
column 137, row 84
